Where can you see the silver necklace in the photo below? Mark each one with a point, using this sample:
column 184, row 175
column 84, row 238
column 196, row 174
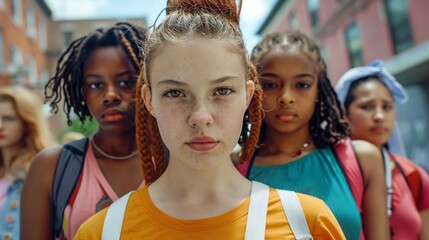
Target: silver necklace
column 110, row 156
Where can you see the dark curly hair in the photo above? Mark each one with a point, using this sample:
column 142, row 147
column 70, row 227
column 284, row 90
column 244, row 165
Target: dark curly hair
column 67, row 83
column 327, row 125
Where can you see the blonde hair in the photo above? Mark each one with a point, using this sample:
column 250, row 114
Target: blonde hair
column 187, row 19
column 36, row 136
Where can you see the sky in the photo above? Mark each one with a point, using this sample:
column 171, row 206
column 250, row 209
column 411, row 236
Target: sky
column 253, row 13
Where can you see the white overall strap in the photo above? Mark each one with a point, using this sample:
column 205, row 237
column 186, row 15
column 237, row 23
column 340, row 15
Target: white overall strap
column 257, row 215
column 115, row 216
column 388, row 175
column 294, row 214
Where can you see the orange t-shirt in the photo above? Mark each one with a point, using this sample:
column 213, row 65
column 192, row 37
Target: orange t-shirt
column 143, row 220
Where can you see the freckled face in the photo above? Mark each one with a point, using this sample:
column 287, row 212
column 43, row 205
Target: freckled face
column 198, row 96
column 372, row 114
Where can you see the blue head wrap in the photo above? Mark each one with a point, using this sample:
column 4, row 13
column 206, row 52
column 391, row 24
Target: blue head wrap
column 376, row 69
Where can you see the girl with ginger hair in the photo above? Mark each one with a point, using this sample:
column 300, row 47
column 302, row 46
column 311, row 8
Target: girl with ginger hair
column 23, row 133
column 199, row 92
column 95, row 79
column 303, row 144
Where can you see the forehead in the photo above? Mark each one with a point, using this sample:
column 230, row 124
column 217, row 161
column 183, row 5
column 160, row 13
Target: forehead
column 196, row 59
column 107, row 58
column 7, row 107
column 372, row 88
column 287, row 59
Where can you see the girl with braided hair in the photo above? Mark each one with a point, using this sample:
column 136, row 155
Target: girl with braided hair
column 303, row 130
column 198, row 91
column 96, row 79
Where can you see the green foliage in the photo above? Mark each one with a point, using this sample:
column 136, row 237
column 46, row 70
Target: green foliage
column 88, row 128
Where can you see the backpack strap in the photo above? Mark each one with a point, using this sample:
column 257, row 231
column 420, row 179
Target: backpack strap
column 293, row 210
column 244, row 167
column 258, row 207
column 114, row 219
column 411, row 175
column 388, row 177
column 257, row 215
column 349, row 163
column 66, row 177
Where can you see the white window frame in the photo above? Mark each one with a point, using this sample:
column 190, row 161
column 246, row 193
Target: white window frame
column 17, row 14
column 31, row 23
column 43, row 35
column 32, row 71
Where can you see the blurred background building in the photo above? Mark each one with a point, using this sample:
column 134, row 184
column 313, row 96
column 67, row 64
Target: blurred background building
column 355, row 32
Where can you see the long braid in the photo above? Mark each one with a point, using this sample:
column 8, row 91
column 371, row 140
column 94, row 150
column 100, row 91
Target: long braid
column 327, row 125
column 254, row 118
column 143, row 133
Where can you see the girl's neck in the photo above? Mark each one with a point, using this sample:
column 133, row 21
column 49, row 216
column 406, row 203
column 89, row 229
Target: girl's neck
column 116, row 143
column 7, row 155
column 287, row 143
column 184, row 181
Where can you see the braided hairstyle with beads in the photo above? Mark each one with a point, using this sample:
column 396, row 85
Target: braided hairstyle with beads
column 327, row 125
column 67, row 83
column 186, row 19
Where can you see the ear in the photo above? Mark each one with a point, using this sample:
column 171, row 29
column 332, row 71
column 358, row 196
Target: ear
column 250, row 89
column 147, row 99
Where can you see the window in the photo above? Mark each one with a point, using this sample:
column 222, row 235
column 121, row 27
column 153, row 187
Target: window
column 1, row 4
column 293, row 21
column 32, row 71
column 323, row 52
column 68, row 37
column 16, row 9
column 43, row 40
column 313, row 6
column 16, row 69
column 1, row 49
column 354, row 45
column 400, row 30
column 31, row 23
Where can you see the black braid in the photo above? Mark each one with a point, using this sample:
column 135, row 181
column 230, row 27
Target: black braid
column 327, row 125
column 67, row 82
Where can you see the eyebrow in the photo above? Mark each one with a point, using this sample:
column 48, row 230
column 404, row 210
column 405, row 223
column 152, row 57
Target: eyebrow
column 301, row 75
column 127, row 72
column 180, row 83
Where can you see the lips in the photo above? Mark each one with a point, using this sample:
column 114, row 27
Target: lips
column 113, row 115
column 286, row 115
column 378, row 130
column 202, row 144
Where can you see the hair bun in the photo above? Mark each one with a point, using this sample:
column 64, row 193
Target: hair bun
column 224, row 8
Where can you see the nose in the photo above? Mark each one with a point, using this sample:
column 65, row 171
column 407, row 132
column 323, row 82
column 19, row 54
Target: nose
column 379, row 115
column 112, row 96
column 200, row 116
column 286, row 97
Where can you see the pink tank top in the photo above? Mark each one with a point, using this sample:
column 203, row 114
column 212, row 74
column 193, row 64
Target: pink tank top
column 94, row 194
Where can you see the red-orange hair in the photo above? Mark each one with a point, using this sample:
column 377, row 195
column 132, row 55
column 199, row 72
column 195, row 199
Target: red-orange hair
column 209, row 19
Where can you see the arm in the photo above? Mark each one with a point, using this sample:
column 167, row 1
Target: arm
column 424, row 234
column 374, row 205
column 36, row 199
column 423, row 203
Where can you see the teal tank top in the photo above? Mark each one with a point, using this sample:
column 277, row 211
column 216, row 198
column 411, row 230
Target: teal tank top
column 317, row 174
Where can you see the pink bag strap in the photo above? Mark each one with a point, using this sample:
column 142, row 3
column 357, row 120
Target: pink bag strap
column 349, row 163
column 244, row 167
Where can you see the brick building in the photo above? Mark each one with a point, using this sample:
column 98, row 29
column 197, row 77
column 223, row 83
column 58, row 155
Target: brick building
column 23, row 42
column 355, row 32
